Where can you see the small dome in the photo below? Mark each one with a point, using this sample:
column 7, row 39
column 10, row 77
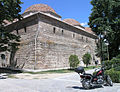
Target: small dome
column 40, row 8
column 72, row 22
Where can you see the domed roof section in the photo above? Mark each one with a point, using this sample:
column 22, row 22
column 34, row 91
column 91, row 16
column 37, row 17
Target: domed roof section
column 40, row 8
column 72, row 21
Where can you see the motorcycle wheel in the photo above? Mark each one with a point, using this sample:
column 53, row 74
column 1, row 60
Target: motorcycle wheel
column 109, row 81
column 86, row 84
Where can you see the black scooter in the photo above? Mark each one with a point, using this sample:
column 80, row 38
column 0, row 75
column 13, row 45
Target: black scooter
column 98, row 78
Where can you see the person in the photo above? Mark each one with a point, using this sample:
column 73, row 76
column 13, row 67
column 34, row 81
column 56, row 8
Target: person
column 96, row 62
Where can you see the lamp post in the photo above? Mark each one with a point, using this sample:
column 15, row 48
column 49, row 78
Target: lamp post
column 100, row 44
column 107, row 44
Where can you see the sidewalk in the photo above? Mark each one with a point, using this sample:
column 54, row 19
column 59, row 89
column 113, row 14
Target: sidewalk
column 44, row 76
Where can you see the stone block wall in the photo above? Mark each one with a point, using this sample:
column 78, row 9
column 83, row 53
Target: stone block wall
column 26, row 53
column 54, row 48
column 47, row 43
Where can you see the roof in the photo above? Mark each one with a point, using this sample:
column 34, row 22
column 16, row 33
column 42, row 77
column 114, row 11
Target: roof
column 72, row 22
column 6, row 22
column 89, row 30
column 40, row 8
column 83, row 31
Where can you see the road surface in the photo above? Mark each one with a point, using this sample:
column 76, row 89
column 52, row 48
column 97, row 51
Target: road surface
column 66, row 83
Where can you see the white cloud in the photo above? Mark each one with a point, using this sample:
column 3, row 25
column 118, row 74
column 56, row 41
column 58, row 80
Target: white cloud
column 84, row 24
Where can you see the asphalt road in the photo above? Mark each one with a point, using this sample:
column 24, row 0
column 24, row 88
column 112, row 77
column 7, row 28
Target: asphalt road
column 66, row 83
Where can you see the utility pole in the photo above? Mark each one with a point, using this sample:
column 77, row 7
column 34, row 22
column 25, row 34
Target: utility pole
column 101, row 54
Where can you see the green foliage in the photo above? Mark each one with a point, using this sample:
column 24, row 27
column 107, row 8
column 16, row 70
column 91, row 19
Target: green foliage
column 112, row 63
column 9, row 10
column 118, row 56
column 116, row 62
column 74, row 61
column 117, row 68
column 101, row 50
column 86, row 59
column 108, row 64
column 105, row 16
column 94, row 73
column 114, row 75
column 113, row 68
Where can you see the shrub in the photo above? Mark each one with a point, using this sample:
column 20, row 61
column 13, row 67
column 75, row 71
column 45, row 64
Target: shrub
column 112, row 63
column 74, row 61
column 117, row 68
column 107, row 64
column 115, row 62
column 86, row 59
column 114, row 75
column 118, row 56
column 113, row 68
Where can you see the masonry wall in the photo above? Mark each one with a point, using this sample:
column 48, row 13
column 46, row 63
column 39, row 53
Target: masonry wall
column 55, row 47
column 47, row 43
column 26, row 53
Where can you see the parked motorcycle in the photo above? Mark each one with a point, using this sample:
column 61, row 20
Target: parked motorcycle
column 90, row 80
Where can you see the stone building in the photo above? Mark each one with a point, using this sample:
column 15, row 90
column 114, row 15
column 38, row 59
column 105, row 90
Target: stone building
column 47, row 41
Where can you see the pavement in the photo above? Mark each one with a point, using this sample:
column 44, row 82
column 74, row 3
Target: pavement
column 67, row 83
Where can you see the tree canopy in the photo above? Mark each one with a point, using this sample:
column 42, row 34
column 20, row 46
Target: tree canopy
column 74, row 61
column 86, row 58
column 105, row 20
column 9, row 10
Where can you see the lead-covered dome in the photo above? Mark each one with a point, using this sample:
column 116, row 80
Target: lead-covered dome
column 72, row 22
column 40, row 8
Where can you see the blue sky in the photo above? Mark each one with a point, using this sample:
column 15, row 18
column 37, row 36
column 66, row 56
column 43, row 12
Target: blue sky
column 77, row 9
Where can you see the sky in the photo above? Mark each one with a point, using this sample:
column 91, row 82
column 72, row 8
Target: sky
column 79, row 10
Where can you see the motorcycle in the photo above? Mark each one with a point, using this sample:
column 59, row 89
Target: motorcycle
column 97, row 78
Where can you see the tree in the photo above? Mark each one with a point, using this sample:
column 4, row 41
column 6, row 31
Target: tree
column 9, row 10
column 104, row 50
column 86, row 59
column 74, row 61
column 105, row 20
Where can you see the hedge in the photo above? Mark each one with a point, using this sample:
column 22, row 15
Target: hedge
column 117, row 68
column 118, row 56
column 113, row 68
column 114, row 75
column 112, row 63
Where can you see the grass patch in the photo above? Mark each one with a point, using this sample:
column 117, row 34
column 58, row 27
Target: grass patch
column 12, row 76
column 60, row 71
column 52, row 71
column 91, row 67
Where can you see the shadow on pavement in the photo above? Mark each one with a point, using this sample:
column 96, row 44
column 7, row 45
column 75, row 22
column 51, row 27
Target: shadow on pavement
column 95, row 87
column 76, row 87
